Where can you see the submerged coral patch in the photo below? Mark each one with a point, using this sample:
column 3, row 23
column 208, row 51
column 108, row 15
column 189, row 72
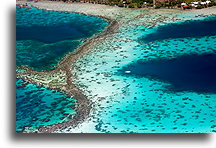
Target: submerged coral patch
column 39, row 106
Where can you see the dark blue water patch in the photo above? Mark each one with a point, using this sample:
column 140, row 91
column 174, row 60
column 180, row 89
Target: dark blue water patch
column 187, row 73
column 39, row 106
column 44, row 37
column 52, row 26
column 51, row 34
column 192, row 28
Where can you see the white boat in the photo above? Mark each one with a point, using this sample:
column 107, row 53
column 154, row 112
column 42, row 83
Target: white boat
column 128, row 71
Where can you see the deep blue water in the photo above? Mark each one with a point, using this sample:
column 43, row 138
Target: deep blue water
column 44, row 37
column 50, row 34
column 191, row 28
column 187, row 73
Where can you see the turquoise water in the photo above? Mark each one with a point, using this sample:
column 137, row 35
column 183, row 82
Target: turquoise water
column 130, row 104
column 176, row 56
column 195, row 72
column 44, row 37
column 39, row 106
column 136, row 103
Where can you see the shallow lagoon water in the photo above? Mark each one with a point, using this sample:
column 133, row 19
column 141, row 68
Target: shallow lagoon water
column 137, row 104
column 40, row 56
column 187, row 72
column 39, row 106
column 44, row 37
